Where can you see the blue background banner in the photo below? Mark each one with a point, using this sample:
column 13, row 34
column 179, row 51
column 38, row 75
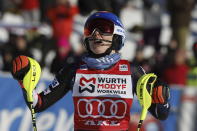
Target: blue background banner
column 15, row 115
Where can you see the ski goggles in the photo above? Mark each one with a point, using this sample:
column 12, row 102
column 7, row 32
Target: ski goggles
column 104, row 26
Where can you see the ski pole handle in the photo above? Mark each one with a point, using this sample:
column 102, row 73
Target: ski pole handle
column 145, row 96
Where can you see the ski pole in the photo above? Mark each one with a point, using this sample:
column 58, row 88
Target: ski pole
column 29, row 82
column 144, row 96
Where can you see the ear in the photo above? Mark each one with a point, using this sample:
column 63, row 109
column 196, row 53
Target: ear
column 116, row 42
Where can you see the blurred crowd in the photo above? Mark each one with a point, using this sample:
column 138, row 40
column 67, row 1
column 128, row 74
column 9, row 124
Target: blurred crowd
column 51, row 31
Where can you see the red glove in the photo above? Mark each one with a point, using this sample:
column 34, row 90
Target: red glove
column 161, row 93
column 21, row 66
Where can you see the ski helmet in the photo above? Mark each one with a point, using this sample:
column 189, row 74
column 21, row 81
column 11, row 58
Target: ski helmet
column 106, row 22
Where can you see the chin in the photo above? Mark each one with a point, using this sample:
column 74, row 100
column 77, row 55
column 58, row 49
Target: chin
column 98, row 52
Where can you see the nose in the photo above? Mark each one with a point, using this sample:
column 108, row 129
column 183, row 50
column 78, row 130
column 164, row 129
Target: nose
column 96, row 34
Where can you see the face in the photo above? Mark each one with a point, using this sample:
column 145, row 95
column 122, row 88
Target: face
column 21, row 43
column 97, row 46
column 180, row 57
column 99, row 31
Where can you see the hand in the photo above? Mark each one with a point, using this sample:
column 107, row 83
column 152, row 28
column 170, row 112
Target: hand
column 161, row 93
column 21, row 66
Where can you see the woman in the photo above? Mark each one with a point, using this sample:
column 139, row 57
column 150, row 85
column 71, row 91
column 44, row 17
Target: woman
column 103, row 85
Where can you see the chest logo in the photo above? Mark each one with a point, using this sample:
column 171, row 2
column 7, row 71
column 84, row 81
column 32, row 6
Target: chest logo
column 107, row 108
column 87, row 85
column 123, row 67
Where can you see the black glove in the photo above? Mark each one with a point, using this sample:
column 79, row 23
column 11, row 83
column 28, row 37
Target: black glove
column 161, row 92
column 21, row 66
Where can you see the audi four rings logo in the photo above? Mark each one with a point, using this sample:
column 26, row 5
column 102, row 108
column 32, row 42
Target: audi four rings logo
column 96, row 108
column 84, row 87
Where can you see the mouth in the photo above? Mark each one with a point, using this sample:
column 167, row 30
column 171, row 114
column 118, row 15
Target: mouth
column 101, row 42
column 98, row 41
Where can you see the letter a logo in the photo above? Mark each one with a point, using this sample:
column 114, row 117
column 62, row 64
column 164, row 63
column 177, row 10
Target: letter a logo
column 87, row 85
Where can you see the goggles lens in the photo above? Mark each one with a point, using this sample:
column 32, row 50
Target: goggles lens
column 103, row 25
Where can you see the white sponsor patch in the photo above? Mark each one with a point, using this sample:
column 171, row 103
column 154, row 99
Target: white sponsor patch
column 54, row 83
column 123, row 67
column 103, row 85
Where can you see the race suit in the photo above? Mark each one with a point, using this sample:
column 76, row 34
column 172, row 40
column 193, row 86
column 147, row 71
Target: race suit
column 102, row 98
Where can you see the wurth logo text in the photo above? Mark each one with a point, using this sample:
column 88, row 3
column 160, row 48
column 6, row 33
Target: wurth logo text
column 114, row 85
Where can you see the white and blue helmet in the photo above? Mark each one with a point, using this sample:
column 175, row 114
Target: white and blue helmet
column 108, row 23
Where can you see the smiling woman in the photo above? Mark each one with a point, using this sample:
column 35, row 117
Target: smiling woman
column 102, row 84
column 104, row 34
